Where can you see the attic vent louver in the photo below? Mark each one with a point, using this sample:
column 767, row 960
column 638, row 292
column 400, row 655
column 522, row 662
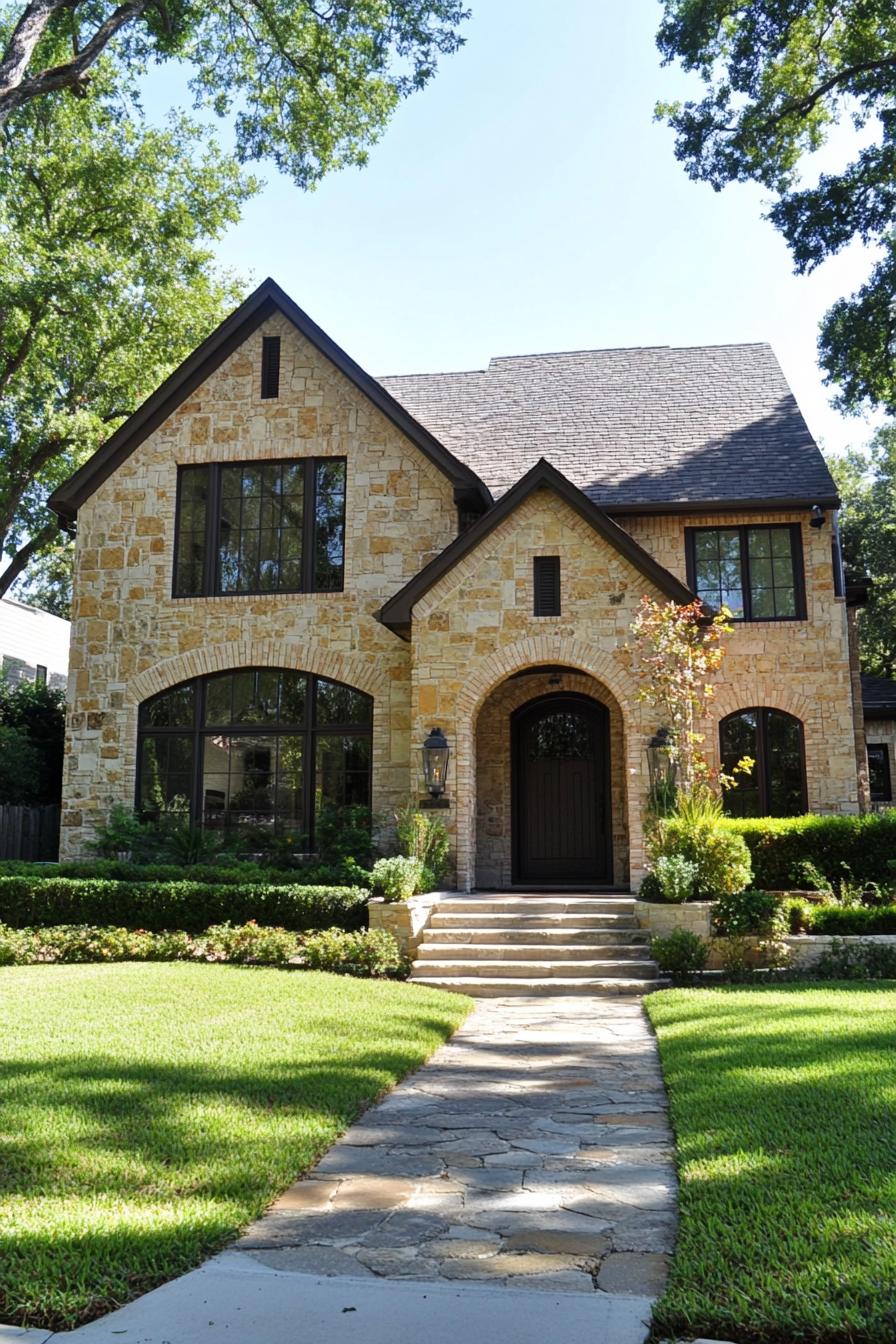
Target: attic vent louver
column 546, row 584
column 270, row 366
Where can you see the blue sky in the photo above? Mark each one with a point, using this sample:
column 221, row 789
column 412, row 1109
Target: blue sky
column 527, row 201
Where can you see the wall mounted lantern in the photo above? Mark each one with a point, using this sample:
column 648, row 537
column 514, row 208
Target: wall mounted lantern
column 662, row 770
column 435, row 754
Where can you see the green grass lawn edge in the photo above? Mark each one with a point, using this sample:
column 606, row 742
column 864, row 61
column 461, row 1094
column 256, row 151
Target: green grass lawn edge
column 150, row 1111
column 783, row 1103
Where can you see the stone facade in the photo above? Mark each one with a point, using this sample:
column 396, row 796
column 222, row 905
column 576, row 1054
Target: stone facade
column 472, row 632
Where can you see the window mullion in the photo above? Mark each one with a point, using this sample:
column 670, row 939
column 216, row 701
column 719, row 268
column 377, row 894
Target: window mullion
column 745, row 575
column 763, row 766
column 308, row 521
column 197, row 810
column 210, row 584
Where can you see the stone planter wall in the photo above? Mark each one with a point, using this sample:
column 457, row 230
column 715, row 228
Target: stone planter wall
column 405, row 920
column 661, row 920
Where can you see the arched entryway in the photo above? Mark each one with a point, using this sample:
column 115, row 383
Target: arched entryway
column 495, row 827
column 560, row 791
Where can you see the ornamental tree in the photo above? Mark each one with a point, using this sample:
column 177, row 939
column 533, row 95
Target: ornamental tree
column 675, row 651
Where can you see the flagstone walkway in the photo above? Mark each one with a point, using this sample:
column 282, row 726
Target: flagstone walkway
column 532, row 1150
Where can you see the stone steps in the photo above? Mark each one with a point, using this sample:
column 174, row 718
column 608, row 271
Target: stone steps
column 518, row 952
column 540, row 944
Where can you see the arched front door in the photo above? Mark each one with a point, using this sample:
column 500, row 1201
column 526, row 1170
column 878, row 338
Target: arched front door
column 561, row 791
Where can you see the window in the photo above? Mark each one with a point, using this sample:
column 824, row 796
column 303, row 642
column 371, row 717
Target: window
column 260, row 527
column 270, row 366
column 756, row 571
column 879, row 772
column 546, row 583
column 40, row 675
column 777, row 785
column 258, row 747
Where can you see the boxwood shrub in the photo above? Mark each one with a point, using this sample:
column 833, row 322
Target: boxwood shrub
column 188, row 905
column 853, row 919
column 780, row 845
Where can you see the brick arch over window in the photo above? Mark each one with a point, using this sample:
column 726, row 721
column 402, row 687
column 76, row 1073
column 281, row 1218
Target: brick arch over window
column 486, row 676
column 352, row 670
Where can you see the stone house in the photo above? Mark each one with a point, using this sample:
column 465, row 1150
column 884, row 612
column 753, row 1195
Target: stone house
column 288, row 572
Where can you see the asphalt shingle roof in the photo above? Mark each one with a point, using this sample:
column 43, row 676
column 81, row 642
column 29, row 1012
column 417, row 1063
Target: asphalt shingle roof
column 657, row 425
column 878, row 693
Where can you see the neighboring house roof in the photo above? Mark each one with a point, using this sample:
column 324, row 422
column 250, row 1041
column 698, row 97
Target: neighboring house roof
column 32, row 638
column 397, row 612
column 267, row 299
column 657, row 426
column 878, row 697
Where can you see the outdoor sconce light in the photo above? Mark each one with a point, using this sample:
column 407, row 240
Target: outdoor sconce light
column 817, row 516
column 662, row 770
column 435, row 753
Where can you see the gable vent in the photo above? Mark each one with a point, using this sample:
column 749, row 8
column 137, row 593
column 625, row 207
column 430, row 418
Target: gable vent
column 270, row 366
column 546, row 583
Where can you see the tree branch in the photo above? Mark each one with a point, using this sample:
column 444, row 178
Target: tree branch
column 17, row 88
column 25, row 554
column 25, row 36
column 800, row 107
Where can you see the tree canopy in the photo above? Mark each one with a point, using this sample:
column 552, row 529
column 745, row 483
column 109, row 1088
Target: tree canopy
column 309, row 84
column 779, row 74
column 107, row 282
column 867, row 484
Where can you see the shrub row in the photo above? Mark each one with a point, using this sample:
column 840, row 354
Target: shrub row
column 186, row 905
column 356, row 952
column 780, row 846
column 311, row 875
column 852, row 919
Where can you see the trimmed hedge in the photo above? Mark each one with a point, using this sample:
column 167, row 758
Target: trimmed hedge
column 853, row 919
column 779, row 845
column 190, row 906
column 116, row 871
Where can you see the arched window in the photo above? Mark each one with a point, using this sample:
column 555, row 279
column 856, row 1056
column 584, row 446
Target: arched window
column 255, row 747
column 777, row 785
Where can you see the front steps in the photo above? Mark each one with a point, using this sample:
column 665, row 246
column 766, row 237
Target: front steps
column 502, row 945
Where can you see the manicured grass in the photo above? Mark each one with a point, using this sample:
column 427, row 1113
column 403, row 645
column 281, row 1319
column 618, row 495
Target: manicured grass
column 148, row 1112
column 784, row 1108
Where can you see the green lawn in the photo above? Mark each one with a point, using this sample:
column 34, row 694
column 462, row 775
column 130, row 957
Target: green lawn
column 148, row 1112
column 784, row 1108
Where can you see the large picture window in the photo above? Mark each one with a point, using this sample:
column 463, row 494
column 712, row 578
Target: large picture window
column 257, row 747
column 260, row 527
column 777, row 785
column 755, row 571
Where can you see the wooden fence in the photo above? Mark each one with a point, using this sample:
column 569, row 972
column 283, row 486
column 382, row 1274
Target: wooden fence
column 29, row 832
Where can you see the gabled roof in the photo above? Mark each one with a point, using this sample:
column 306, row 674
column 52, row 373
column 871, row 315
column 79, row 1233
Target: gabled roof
column 637, row 430
column 397, row 612
column 878, row 697
column 267, row 299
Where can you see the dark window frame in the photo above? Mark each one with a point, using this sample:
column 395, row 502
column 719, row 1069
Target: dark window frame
column 310, row 730
column 796, row 553
column 884, row 757
column 762, row 768
column 546, row 585
column 211, row 577
column 40, row 675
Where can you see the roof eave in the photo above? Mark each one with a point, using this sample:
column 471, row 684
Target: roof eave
column 267, row 299
column 397, row 613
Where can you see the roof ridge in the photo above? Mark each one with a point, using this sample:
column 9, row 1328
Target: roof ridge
column 630, row 349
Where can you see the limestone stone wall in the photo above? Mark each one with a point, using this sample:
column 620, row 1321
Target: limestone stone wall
column 475, row 628
column 661, row 920
column 802, row 667
column 131, row 638
column 493, row 762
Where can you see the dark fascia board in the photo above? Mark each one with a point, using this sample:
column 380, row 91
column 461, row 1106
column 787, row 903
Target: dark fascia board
column 882, row 710
column 267, row 299
column 724, row 505
column 397, row 612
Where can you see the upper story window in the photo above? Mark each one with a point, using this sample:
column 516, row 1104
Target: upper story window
column 260, row 527
column 755, row 571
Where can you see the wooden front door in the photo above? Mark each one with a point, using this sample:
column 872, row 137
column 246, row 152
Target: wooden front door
column 561, row 782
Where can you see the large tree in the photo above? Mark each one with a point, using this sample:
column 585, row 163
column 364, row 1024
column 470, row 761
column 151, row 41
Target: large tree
column 106, row 282
column 867, row 484
column 310, row 84
column 779, row 74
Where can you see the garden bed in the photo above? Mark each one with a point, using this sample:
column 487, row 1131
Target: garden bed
column 783, row 1102
column 173, row 1106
